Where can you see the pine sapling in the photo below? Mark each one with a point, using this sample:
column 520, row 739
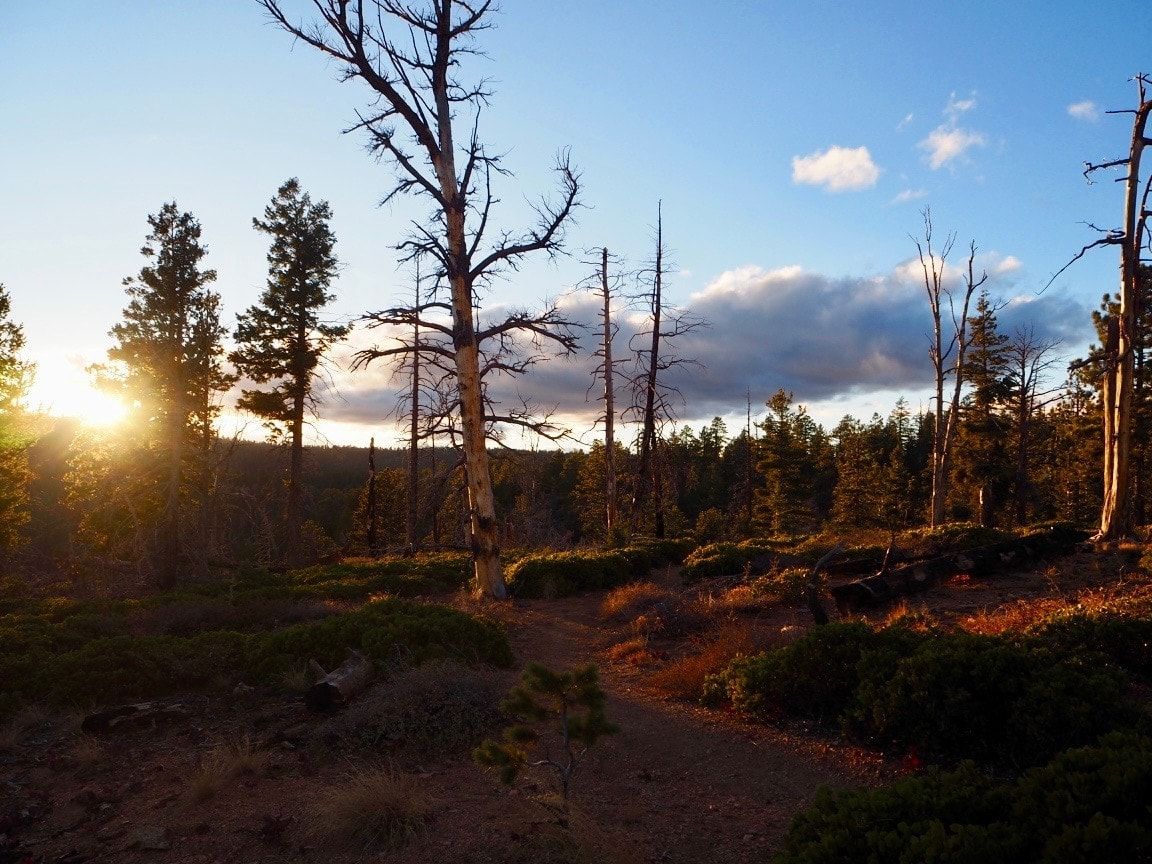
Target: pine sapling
column 573, row 697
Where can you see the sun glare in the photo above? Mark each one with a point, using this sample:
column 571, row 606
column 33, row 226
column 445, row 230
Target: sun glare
column 64, row 391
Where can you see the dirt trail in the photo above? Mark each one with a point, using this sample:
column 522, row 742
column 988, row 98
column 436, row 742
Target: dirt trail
column 678, row 783
column 691, row 784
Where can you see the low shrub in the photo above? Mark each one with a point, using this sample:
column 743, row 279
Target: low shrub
column 948, row 538
column 1123, row 639
column 561, row 574
column 115, row 667
column 422, row 713
column 973, row 697
column 817, row 676
column 944, row 697
column 722, row 559
column 1086, row 805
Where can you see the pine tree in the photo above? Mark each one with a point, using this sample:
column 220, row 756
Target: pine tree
column 15, row 374
column 167, row 364
column 982, row 462
column 282, row 340
column 785, row 503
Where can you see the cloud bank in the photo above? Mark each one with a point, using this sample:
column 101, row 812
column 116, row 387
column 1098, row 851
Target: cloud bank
column 819, row 336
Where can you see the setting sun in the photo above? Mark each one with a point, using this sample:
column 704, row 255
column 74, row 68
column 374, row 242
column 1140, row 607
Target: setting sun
column 64, row 389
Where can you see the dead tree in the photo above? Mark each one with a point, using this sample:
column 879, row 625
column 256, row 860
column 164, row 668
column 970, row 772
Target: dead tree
column 1030, row 360
column 410, row 56
column 606, row 288
column 370, row 531
column 654, row 397
column 947, row 353
column 1122, row 337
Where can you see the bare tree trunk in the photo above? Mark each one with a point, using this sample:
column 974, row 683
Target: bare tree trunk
column 941, row 350
column 294, row 552
column 648, row 431
column 410, row 524
column 609, row 402
column 370, row 528
column 1115, row 515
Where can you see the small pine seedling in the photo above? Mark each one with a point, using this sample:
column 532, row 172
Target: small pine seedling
column 575, row 699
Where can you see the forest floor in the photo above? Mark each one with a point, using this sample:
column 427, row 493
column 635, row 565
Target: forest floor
column 677, row 783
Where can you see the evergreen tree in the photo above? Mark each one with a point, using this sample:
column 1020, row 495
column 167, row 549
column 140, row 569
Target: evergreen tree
column 982, row 463
column 785, row 503
column 281, row 340
column 15, row 375
column 167, row 364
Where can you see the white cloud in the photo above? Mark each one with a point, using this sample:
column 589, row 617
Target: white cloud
column 956, row 107
column 946, row 144
column 909, row 195
column 1008, row 264
column 837, row 169
column 907, row 119
column 1085, row 110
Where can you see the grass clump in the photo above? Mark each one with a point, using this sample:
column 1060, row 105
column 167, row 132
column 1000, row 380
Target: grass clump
column 625, row 603
column 224, row 763
column 373, row 809
column 685, row 678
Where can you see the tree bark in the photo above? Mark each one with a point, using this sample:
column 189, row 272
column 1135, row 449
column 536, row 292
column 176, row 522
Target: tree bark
column 609, row 402
column 648, row 434
column 410, row 524
column 1115, row 515
column 332, row 690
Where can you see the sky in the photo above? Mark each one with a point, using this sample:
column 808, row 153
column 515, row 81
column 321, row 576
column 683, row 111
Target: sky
column 792, row 143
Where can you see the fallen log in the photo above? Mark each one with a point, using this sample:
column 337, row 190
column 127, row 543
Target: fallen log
column 981, row 562
column 135, row 714
column 333, row 690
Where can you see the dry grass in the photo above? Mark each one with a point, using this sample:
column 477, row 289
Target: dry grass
column 1018, row 616
column 634, row 652
column 373, row 809
column 684, row 678
column 628, row 602
column 918, row 618
column 223, row 763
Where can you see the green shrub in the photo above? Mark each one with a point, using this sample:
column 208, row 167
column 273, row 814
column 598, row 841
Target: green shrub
column 1086, row 805
column 561, row 574
column 1122, row 638
column 975, row 697
column 119, row 667
column 943, row 696
column 722, row 559
column 952, row 537
column 818, row 675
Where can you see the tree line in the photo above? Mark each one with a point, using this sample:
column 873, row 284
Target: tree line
column 1001, row 441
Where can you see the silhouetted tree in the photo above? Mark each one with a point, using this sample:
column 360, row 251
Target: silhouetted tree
column 15, row 376
column 282, row 341
column 167, row 364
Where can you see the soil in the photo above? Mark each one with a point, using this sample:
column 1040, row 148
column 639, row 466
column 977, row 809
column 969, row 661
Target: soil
column 677, row 783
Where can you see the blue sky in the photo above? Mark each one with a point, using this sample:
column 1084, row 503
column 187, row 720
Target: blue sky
column 728, row 111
